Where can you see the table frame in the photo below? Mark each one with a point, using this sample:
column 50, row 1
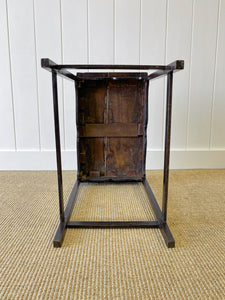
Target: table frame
column 161, row 215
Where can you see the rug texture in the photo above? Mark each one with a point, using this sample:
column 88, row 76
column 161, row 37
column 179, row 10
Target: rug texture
column 112, row 263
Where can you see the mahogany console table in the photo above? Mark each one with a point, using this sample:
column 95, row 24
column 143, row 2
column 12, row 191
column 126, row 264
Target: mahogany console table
column 112, row 117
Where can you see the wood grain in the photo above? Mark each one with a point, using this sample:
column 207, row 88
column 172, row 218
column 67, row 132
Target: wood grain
column 111, row 127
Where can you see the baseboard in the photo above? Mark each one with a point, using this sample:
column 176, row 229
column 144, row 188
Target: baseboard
column 187, row 159
column 36, row 160
column 45, row 160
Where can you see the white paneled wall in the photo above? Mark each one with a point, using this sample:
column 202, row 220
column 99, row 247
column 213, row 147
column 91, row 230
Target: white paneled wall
column 112, row 32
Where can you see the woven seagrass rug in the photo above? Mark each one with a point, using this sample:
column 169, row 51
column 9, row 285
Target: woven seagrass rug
column 112, row 263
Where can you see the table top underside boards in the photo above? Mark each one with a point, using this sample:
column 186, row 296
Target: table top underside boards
column 111, row 126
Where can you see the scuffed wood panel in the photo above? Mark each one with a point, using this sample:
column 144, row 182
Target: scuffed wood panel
column 124, row 157
column 92, row 157
column 118, row 103
column 91, row 110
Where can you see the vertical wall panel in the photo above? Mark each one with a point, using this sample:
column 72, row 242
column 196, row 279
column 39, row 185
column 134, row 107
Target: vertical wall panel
column 218, row 117
column 74, row 38
column 202, row 72
column 179, row 47
column 153, row 39
column 48, row 45
column 127, row 29
column 100, row 22
column 22, row 48
column 7, row 138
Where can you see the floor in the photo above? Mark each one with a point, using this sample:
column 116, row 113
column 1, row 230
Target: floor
column 112, row 263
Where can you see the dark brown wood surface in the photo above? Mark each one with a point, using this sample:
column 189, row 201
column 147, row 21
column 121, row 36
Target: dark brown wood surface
column 110, row 130
column 111, row 125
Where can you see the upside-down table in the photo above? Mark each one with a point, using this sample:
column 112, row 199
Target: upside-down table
column 111, row 119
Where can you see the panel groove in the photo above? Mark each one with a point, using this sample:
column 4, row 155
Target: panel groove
column 114, row 31
column 214, row 79
column 189, row 89
column 127, row 31
column 165, row 82
column 37, row 82
column 140, row 30
column 153, row 51
column 62, row 54
column 88, row 30
column 74, row 29
column 166, row 31
column 48, row 43
column 11, row 79
column 218, row 120
column 202, row 72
